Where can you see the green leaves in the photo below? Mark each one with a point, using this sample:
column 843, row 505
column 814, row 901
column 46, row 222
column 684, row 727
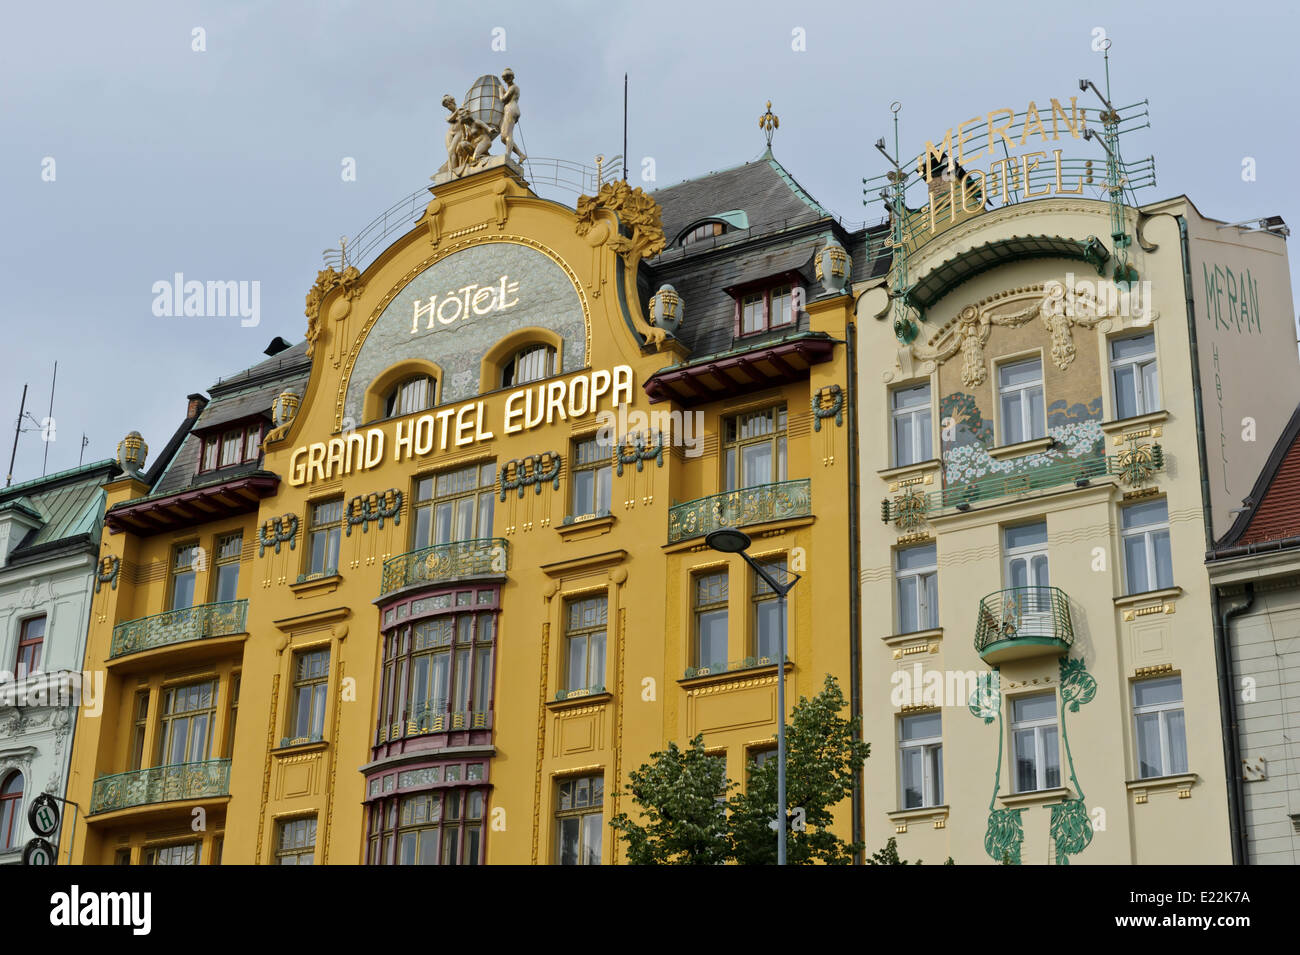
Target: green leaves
column 683, row 822
column 1071, row 829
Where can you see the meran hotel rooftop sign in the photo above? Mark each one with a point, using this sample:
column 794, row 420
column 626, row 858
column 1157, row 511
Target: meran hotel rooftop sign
column 980, row 137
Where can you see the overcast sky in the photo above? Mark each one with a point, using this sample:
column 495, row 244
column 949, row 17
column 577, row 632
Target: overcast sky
column 225, row 164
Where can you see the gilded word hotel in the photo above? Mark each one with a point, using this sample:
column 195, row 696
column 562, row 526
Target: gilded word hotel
column 424, row 587
column 1065, row 398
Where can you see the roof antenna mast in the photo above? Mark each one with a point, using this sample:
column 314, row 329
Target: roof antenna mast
column 18, row 429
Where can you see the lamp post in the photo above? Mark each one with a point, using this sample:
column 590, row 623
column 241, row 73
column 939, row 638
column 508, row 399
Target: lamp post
column 729, row 540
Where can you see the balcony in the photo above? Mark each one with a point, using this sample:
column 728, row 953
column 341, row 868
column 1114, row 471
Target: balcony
column 206, row 779
column 1023, row 622
column 200, row 622
column 444, row 562
column 748, row 505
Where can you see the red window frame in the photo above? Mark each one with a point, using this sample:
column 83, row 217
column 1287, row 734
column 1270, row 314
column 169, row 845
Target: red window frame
column 212, row 443
column 30, row 648
column 764, row 289
column 10, row 810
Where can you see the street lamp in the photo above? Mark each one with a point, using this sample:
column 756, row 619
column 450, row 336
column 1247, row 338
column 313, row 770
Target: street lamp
column 729, row 540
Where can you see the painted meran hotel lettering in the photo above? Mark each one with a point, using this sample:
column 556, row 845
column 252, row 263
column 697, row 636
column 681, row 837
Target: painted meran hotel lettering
column 400, row 594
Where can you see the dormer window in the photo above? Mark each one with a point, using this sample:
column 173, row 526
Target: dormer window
column 409, row 396
column 223, row 448
column 762, row 310
column 530, row 363
column 705, row 230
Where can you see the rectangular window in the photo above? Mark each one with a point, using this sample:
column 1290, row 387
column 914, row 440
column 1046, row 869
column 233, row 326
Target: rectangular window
column 917, row 584
column 1148, row 564
column 1133, row 373
column 591, row 478
column 768, row 619
column 585, row 643
column 911, row 413
column 310, row 684
column 139, row 725
column 766, row 309
column 184, row 561
column 454, row 506
column 235, row 680
column 711, row 620
column 1033, row 732
column 211, row 448
column 449, row 660
column 31, row 640
column 232, row 448
column 758, row 758
column 1020, row 389
column 751, row 313
column 920, row 746
column 296, row 844
column 754, row 452
column 579, row 820
column 226, row 581
column 185, row 853
column 782, row 306
column 188, row 712
column 253, row 442
column 1158, row 719
column 323, row 537
column 442, row 827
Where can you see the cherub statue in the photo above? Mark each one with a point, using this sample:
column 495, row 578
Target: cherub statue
column 510, row 100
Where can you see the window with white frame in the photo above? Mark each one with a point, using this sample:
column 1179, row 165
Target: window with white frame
column 1148, row 564
column 1133, row 374
column 1158, row 723
column 920, row 749
column 917, row 583
column 1020, row 397
column 1034, row 739
column 911, row 430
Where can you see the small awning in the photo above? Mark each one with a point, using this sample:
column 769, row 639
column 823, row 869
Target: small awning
column 735, row 373
column 796, row 263
column 153, row 515
column 942, row 279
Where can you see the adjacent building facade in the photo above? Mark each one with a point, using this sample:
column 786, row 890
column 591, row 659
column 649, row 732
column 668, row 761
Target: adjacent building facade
column 446, row 556
column 1062, row 397
column 49, row 575
column 1255, row 570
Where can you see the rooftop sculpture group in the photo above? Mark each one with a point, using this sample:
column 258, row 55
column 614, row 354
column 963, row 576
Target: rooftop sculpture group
column 490, row 109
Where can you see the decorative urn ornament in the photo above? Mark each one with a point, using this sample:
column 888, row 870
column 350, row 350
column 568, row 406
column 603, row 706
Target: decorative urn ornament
column 285, row 407
column 131, row 452
column 667, row 309
column 833, row 266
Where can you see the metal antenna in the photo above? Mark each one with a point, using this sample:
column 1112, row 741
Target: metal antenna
column 49, row 421
column 18, row 429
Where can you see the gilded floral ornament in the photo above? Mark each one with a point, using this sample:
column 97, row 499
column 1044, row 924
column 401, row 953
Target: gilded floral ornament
column 1138, row 462
column 637, row 215
column 326, row 281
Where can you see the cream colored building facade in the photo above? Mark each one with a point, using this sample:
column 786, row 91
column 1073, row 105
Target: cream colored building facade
column 1050, row 456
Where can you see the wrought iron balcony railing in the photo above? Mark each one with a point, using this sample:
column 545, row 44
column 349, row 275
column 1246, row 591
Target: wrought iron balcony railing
column 1023, row 621
column 143, row 787
column 730, row 666
column 747, row 505
column 179, row 626
column 486, row 555
column 433, row 717
column 1133, row 466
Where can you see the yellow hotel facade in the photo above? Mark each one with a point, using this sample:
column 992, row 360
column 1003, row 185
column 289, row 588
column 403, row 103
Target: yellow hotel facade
column 426, row 586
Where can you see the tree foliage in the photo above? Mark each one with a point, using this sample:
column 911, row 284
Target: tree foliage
column 683, row 822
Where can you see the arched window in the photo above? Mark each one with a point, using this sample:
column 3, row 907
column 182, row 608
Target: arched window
column 705, row 230
column 11, row 804
column 410, row 395
column 530, row 363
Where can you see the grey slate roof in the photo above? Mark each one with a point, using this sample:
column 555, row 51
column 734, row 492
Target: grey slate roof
column 246, row 394
column 762, row 189
column 69, row 505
